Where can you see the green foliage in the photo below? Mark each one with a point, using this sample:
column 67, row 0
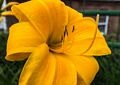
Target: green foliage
column 108, row 74
column 109, row 69
column 1, row 2
column 9, row 71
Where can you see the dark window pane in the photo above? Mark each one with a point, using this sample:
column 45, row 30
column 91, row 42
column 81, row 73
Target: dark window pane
column 102, row 28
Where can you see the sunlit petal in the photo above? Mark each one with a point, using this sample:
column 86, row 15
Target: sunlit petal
column 65, row 72
column 87, row 67
column 73, row 16
column 21, row 41
column 39, row 68
column 35, row 12
column 87, row 39
column 57, row 41
column 52, row 15
column 59, row 19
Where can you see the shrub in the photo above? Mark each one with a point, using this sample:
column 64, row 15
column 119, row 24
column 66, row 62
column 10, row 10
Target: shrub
column 9, row 71
column 109, row 67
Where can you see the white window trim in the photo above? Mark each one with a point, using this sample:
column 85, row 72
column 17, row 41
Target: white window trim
column 105, row 23
column 3, row 24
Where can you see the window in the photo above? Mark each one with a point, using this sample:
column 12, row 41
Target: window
column 103, row 24
column 3, row 25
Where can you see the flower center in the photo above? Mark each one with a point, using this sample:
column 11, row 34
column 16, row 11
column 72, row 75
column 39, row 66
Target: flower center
column 65, row 43
column 67, row 40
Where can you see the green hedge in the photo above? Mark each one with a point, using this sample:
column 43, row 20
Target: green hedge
column 108, row 74
column 9, row 71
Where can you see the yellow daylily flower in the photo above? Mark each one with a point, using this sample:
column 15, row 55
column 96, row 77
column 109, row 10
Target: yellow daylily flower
column 58, row 43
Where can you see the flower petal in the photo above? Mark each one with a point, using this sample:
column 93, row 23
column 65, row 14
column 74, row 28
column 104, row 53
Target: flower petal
column 35, row 12
column 86, row 39
column 21, row 41
column 73, row 16
column 52, row 15
column 65, row 72
column 39, row 68
column 59, row 18
column 86, row 66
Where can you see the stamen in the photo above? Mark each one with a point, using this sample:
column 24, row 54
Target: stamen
column 73, row 29
column 65, row 32
column 68, row 42
column 97, row 21
column 62, row 38
column 94, row 36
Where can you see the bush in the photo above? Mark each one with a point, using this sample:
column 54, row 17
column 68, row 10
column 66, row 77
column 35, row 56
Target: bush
column 109, row 68
column 9, row 71
column 108, row 74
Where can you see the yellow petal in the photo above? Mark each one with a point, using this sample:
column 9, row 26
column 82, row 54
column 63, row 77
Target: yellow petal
column 73, row 16
column 87, row 67
column 35, row 12
column 22, row 40
column 39, row 68
column 48, row 13
column 98, row 48
column 7, row 13
column 65, row 72
column 86, row 39
column 59, row 20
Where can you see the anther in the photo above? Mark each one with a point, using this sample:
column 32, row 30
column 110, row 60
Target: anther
column 73, row 29
column 65, row 32
column 62, row 38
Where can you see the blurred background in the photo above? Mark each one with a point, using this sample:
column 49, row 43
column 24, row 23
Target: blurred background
column 109, row 25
